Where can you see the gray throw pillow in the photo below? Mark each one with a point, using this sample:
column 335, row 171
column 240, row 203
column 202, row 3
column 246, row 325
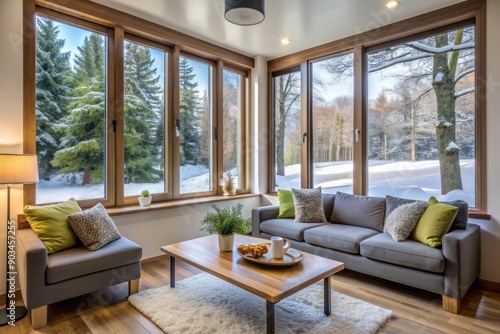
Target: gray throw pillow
column 357, row 210
column 94, row 227
column 308, row 206
column 403, row 220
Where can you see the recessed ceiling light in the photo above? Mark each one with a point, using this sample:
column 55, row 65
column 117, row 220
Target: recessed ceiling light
column 285, row 41
column 391, row 4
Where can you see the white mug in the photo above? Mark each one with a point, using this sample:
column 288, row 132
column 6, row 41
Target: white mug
column 279, row 246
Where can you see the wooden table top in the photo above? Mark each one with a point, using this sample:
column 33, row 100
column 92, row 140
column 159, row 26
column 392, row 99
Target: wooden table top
column 268, row 282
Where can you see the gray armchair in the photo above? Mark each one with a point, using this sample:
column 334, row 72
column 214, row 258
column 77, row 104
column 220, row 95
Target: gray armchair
column 47, row 279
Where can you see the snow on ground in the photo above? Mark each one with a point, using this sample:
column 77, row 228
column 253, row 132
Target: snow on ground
column 416, row 180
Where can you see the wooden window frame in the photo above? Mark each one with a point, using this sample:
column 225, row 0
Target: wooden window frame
column 120, row 26
column 472, row 11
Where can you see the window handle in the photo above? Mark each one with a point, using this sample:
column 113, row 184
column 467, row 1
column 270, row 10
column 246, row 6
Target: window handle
column 177, row 128
column 357, row 135
column 304, row 135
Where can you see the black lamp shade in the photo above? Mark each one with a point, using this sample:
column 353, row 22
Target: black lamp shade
column 244, row 12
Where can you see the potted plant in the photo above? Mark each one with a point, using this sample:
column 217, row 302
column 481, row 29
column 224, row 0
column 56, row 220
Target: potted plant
column 145, row 198
column 227, row 183
column 225, row 222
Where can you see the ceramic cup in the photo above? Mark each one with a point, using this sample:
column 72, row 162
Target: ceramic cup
column 279, row 246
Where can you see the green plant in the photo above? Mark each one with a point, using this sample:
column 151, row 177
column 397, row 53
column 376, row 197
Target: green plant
column 145, row 193
column 225, row 221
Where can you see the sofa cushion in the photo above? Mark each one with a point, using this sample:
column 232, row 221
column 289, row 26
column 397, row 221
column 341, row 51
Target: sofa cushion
column 434, row 223
column 286, row 228
column 408, row 253
column 402, row 221
column 460, row 221
column 79, row 261
column 287, row 209
column 50, row 223
column 308, row 206
column 345, row 238
column 363, row 211
column 94, row 227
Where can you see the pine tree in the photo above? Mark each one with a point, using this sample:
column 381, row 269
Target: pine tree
column 189, row 103
column 52, row 89
column 84, row 140
column 143, row 114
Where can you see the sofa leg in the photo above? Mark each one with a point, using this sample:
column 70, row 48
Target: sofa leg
column 133, row 286
column 451, row 305
column 39, row 317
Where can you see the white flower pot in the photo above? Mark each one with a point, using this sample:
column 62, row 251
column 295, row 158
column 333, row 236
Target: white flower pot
column 226, row 243
column 145, row 201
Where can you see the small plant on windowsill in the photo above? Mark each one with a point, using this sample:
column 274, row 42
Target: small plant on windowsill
column 145, row 198
column 225, row 222
column 227, row 183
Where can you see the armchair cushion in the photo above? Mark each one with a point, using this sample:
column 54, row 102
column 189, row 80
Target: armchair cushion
column 94, row 227
column 79, row 261
column 50, row 223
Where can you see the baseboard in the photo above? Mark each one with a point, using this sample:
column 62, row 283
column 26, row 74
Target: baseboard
column 489, row 286
column 18, row 296
column 153, row 258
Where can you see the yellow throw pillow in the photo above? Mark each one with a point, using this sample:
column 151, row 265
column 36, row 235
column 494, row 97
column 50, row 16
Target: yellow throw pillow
column 50, row 223
column 434, row 223
column 287, row 208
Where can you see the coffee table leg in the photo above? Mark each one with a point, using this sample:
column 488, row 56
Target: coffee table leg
column 270, row 317
column 328, row 295
column 172, row 271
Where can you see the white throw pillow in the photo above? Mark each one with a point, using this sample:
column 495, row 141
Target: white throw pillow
column 403, row 220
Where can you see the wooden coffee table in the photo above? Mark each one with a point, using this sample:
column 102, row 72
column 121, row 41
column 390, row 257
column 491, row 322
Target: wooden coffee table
column 271, row 283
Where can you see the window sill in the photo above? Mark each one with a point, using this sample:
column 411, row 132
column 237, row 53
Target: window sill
column 131, row 209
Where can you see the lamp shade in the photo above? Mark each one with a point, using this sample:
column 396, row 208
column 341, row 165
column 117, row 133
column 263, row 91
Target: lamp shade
column 244, row 12
column 18, row 168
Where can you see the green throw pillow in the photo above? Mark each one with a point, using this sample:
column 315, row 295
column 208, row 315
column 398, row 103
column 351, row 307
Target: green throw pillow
column 287, row 209
column 50, row 223
column 434, row 223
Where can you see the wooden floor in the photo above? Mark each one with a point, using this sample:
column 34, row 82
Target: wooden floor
column 108, row 311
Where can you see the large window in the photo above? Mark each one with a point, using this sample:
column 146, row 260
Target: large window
column 332, row 118
column 71, row 109
column 288, row 135
column 117, row 112
column 398, row 116
column 421, row 118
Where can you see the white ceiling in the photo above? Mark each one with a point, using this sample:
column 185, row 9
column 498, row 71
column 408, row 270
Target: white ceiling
column 307, row 23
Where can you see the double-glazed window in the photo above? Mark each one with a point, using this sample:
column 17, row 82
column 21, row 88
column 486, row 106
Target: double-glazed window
column 401, row 121
column 112, row 118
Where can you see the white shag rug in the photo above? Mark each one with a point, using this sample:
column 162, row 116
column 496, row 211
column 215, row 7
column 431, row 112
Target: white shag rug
column 206, row 304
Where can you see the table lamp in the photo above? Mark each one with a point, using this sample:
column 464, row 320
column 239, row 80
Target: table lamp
column 14, row 169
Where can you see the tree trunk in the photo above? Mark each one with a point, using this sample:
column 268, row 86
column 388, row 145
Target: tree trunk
column 412, row 129
column 86, row 175
column 444, row 87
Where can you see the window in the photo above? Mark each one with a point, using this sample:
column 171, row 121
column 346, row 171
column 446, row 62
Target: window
column 119, row 110
column 332, row 118
column 287, row 131
column 144, row 119
column 195, row 126
column 233, row 134
column 393, row 115
column 421, row 118
column 71, row 109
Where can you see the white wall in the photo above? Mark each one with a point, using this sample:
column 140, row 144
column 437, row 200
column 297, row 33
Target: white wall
column 154, row 229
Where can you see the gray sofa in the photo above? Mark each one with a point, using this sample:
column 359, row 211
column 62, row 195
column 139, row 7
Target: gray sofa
column 354, row 235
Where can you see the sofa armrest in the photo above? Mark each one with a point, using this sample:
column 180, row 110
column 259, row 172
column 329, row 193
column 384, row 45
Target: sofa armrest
column 261, row 214
column 31, row 266
column 462, row 252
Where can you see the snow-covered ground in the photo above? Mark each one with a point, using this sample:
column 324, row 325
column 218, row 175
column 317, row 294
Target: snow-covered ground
column 416, row 180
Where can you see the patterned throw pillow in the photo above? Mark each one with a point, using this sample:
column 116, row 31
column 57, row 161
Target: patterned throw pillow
column 402, row 221
column 308, row 206
column 94, row 227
